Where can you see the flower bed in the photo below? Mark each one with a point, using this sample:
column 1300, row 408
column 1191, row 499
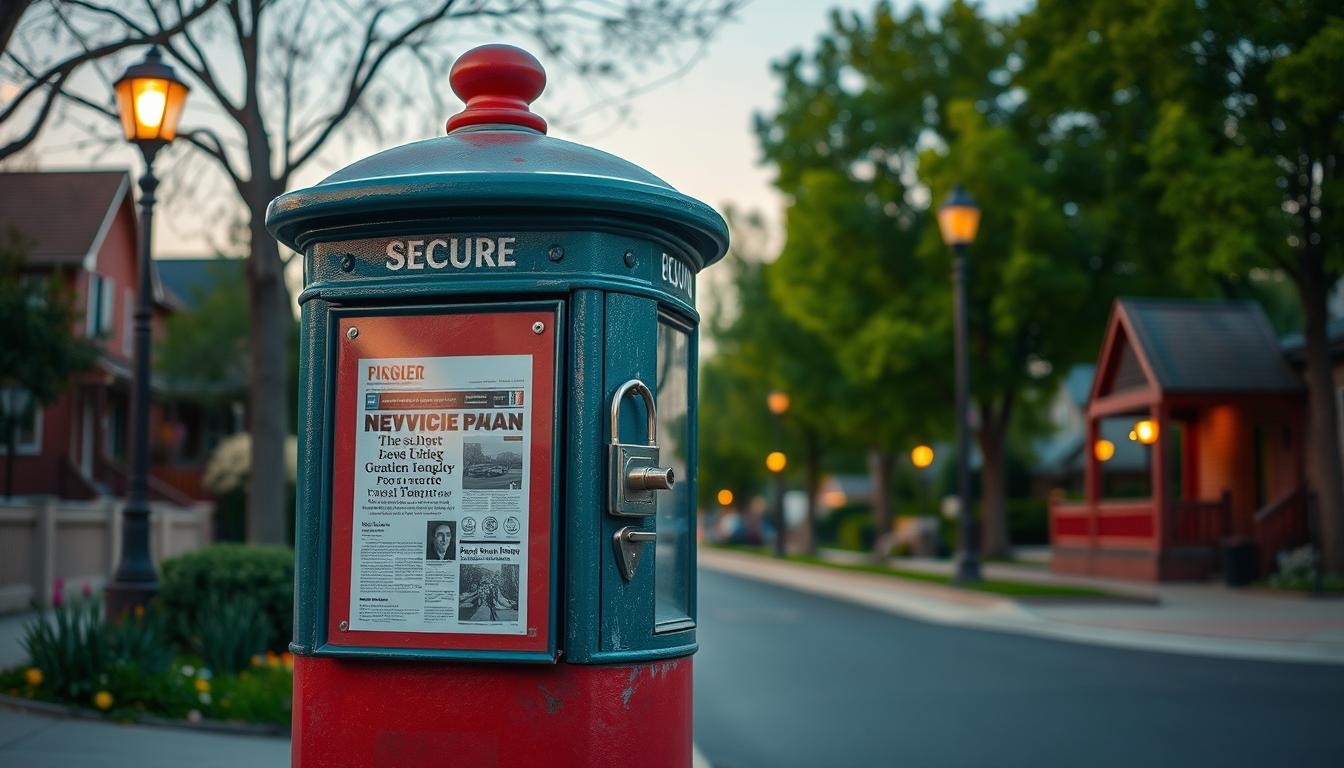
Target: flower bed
column 213, row 662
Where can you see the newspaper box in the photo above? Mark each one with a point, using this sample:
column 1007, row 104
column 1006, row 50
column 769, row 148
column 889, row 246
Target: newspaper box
column 495, row 531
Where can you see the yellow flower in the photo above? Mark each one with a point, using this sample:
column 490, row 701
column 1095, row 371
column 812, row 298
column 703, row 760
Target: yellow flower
column 272, row 659
column 33, row 676
column 202, row 685
column 256, row 661
column 288, row 658
column 102, row 700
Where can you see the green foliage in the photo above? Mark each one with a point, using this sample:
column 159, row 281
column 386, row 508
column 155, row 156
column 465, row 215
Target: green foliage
column 229, row 633
column 205, row 350
column 263, row 694
column 198, row 584
column 79, row 654
column 40, row 353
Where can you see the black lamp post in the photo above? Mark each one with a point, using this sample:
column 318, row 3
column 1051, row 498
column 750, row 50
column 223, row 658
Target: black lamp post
column 150, row 99
column 959, row 218
column 778, row 403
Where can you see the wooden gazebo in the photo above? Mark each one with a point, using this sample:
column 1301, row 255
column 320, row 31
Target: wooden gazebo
column 1203, row 384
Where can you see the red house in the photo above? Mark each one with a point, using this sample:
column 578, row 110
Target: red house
column 1204, row 386
column 83, row 228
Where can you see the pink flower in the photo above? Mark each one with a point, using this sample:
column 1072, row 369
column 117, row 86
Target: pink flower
column 58, row 592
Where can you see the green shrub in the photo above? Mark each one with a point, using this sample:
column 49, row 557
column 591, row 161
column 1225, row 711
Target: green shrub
column 195, row 585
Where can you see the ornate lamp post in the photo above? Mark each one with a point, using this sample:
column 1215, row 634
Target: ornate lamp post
column 959, row 218
column 150, row 98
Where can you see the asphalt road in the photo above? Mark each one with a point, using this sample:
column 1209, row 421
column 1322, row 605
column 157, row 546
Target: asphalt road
column 785, row 678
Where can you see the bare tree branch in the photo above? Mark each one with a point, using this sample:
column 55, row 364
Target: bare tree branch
column 55, row 76
column 355, row 89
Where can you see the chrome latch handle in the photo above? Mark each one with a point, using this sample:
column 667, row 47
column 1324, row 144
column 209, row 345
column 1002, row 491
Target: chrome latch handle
column 629, row 545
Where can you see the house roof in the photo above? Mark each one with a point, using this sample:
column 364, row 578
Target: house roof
column 1209, row 346
column 65, row 213
column 188, row 280
column 1295, row 344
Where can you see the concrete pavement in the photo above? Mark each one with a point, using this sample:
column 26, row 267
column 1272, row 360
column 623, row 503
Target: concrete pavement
column 39, row 741
column 1206, row 620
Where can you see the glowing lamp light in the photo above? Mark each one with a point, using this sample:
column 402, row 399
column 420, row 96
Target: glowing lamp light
column 1145, row 431
column 834, row 499
column 958, row 218
column 1104, row 450
column 921, row 456
column 725, row 497
column 776, row 461
column 149, row 99
column 777, row 402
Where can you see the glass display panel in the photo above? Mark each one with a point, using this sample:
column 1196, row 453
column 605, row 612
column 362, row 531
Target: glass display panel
column 675, row 523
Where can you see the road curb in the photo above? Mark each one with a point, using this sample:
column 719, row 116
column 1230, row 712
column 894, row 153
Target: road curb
column 931, row 603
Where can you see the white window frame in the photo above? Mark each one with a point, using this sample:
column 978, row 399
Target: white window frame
column 92, row 295
column 30, row 448
column 127, row 321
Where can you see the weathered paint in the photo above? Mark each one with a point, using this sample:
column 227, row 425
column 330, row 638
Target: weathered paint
column 360, row 714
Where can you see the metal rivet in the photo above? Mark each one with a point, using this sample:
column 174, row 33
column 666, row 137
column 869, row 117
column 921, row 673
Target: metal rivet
column 347, row 262
column 556, row 253
column 538, row 327
column 629, row 258
column 345, row 625
column 352, row 334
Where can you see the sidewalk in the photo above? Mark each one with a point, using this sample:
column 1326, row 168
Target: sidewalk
column 1199, row 619
column 38, row 741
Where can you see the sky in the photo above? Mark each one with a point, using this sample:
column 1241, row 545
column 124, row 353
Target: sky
column 694, row 131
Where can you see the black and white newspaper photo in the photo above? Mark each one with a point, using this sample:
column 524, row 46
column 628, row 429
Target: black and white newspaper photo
column 440, row 497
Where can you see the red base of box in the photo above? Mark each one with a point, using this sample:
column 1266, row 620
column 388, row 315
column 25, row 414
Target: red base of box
column 374, row 713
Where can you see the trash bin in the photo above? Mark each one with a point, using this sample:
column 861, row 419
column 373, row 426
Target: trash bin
column 1239, row 566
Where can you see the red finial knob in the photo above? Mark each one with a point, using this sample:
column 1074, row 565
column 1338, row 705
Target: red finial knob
column 497, row 82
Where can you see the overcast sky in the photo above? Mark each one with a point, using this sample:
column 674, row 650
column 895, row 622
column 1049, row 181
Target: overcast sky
column 693, row 131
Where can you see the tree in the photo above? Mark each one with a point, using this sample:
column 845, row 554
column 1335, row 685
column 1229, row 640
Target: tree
column 280, row 80
column 873, row 129
column 761, row 348
column 40, row 353
column 1232, row 114
column 205, row 349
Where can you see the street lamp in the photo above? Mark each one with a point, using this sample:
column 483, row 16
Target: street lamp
column 1145, row 431
column 777, row 403
column 149, row 98
column 958, row 219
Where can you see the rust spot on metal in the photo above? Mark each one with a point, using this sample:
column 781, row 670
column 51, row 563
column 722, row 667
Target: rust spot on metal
column 553, row 702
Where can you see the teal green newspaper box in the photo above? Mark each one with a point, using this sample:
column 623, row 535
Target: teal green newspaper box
column 497, row 443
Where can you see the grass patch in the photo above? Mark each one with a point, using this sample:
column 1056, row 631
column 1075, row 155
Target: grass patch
column 992, row 586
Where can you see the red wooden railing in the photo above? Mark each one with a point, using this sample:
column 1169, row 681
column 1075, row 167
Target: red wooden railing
column 1281, row 525
column 117, row 479
column 1201, row 523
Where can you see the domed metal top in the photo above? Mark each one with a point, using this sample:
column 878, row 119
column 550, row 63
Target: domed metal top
column 495, row 160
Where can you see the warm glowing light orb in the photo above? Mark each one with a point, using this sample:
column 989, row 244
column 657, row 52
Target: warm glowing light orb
column 921, row 456
column 777, row 402
column 725, row 497
column 776, row 461
column 150, row 105
column 1145, row 431
column 1104, row 450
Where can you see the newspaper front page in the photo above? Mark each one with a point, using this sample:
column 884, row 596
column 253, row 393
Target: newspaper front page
column 440, row 535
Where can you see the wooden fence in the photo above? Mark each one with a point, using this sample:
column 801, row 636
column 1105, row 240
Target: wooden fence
column 43, row 538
